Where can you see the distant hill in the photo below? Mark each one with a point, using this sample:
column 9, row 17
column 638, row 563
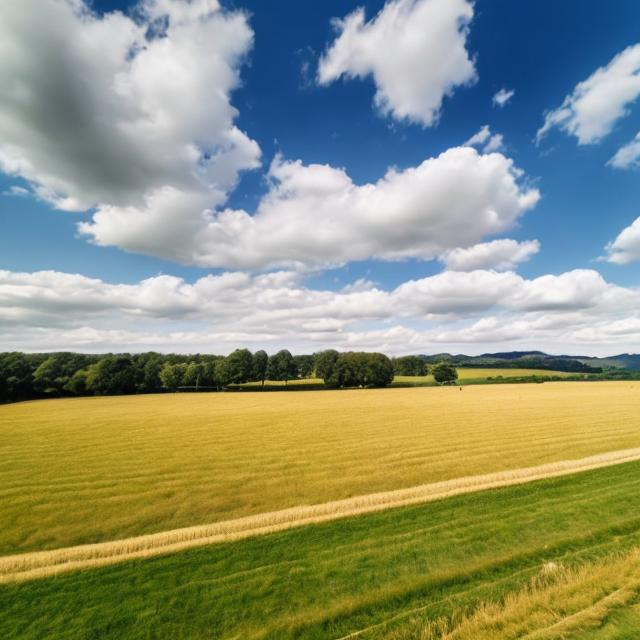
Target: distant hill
column 540, row 360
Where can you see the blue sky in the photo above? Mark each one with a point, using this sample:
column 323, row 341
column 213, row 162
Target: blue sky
column 539, row 50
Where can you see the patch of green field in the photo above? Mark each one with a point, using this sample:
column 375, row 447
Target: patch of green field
column 386, row 573
column 84, row 470
column 465, row 374
column 478, row 374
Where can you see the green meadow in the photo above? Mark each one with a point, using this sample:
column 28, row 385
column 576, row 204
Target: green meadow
column 386, row 575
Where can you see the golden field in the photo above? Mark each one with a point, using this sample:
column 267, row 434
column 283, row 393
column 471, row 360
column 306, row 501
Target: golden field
column 85, row 470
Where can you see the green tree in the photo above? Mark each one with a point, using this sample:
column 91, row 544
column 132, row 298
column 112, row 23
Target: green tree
column 193, row 375
column 240, row 366
column 358, row 369
column 260, row 364
column 221, row 373
column 16, row 381
column 378, row 370
column 409, row 366
column 304, row 365
column 444, row 373
column 282, row 366
column 77, row 383
column 112, row 375
column 171, row 375
column 324, row 362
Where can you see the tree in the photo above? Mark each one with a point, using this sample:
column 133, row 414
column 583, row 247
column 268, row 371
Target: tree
column 358, row 369
column 112, row 375
column 77, row 383
column 147, row 367
column 16, row 377
column 409, row 366
column 193, row 375
column 171, row 375
column 378, row 370
column 282, row 366
column 221, row 373
column 444, row 373
column 325, row 362
column 240, row 366
column 304, row 365
column 260, row 364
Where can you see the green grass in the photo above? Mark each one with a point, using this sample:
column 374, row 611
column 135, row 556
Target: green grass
column 325, row 581
column 477, row 375
column 94, row 469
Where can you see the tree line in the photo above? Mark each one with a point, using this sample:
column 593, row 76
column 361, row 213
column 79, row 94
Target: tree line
column 26, row 376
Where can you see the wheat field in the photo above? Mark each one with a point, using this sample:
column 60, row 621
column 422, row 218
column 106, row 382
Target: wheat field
column 88, row 470
column 43, row 564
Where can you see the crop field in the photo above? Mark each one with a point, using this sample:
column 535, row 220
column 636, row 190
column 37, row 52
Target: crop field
column 554, row 558
column 464, row 374
column 478, row 374
column 88, row 470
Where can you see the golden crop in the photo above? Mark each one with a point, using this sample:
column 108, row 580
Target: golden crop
column 87, row 470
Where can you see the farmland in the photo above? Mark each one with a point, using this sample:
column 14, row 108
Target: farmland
column 391, row 574
column 469, row 374
column 82, row 470
column 90, row 470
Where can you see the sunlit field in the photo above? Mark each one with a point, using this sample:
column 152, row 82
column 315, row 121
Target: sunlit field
column 92, row 469
column 464, row 374
column 401, row 574
column 478, row 374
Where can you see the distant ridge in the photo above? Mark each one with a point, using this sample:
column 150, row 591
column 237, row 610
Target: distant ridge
column 540, row 360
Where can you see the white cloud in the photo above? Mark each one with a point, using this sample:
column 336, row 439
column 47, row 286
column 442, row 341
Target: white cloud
column 18, row 192
column 595, row 105
column 502, row 97
column 52, row 310
column 112, row 111
column 314, row 215
column 414, row 49
column 502, row 255
column 484, row 139
column 627, row 156
column 626, row 247
column 479, row 138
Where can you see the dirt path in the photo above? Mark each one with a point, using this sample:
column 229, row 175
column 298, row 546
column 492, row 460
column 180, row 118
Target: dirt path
column 42, row 564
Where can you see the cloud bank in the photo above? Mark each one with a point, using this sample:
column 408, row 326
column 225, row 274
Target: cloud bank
column 573, row 310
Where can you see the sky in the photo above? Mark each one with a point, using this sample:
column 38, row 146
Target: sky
column 408, row 176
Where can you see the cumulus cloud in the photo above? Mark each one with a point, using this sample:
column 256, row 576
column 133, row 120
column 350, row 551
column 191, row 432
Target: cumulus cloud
column 502, row 255
column 52, row 310
column 111, row 111
column 502, row 97
column 627, row 156
column 314, row 216
column 415, row 50
column 592, row 109
column 626, row 247
column 484, row 139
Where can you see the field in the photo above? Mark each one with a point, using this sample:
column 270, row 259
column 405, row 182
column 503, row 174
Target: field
column 480, row 375
column 487, row 564
column 465, row 374
column 389, row 575
column 86, row 470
